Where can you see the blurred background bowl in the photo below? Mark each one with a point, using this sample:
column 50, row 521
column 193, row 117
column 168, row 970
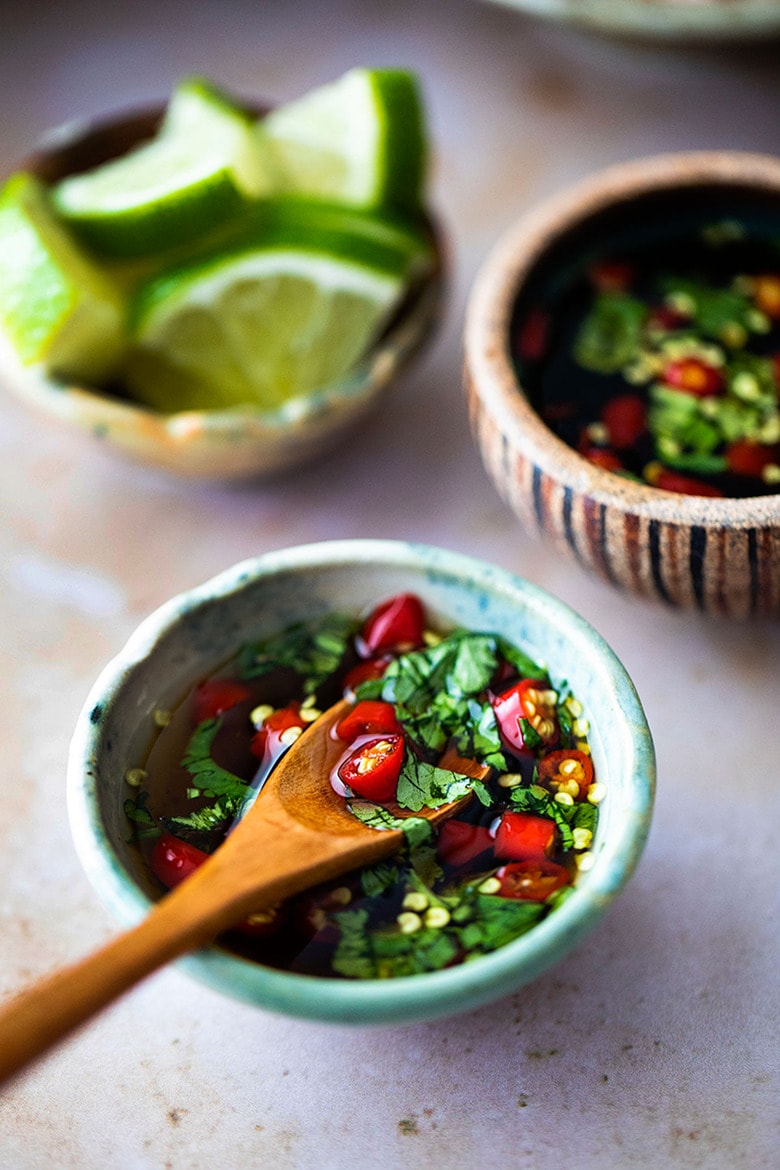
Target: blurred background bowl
column 219, row 444
column 193, row 633
column 718, row 555
column 670, row 20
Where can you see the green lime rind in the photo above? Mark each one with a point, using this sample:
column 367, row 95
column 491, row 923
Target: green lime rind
column 406, row 152
column 57, row 306
column 258, row 327
column 392, row 246
column 195, row 174
column 359, row 140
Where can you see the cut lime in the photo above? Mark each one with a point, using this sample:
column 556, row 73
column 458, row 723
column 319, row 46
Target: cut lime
column 392, row 241
column 56, row 306
column 359, row 140
column 259, row 326
column 194, row 175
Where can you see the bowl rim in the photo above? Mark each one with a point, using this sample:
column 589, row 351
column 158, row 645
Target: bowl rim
column 488, row 367
column 409, row 998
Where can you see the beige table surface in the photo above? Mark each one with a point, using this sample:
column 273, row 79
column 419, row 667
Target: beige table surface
column 656, row 1043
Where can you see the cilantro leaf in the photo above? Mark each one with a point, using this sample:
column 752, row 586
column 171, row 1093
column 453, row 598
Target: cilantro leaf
column 212, row 779
column 610, row 335
column 314, row 649
column 498, row 921
column 422, row 785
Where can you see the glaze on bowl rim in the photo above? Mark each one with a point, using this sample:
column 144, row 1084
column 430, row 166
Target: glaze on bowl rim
column 460, row 585
column 494, row 294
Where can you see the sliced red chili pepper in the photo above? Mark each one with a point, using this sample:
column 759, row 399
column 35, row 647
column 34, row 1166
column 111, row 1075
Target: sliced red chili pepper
column 459, row 842
column 533, row 881
column 672, row 481
column 664, row 317
column 745, row 457
column 624, row 417
column 531, row 338
column 528, row 699
column 611, row 275
column 394, row 625
column 766, row 293
column 524, row 837
column 172, row 860
column 216, row 695
column 266, row 739
column 369, row 715
column 602, row 457
column 372, row 770
column 694, row 377
column 369, row 668
column 563, row 766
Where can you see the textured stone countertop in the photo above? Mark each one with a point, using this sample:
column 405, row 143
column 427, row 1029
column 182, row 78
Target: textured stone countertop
column 655, row 1044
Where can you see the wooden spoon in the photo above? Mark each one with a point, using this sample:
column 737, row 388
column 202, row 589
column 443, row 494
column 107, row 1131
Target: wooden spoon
column 298, row 832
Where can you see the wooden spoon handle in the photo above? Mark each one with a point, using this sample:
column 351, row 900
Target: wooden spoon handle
column 45, row 1013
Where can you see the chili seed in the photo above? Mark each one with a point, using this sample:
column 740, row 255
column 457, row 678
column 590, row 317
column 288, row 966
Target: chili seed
column 135, row 777
column 258, row 716
column 563, row 798
column 409, row 923
column 289, row 735
column 415, row 900
column 582, row 838
column 161, row 717
column 437, row 917
column 510, row 780
column 597, row 792
column 490, row 885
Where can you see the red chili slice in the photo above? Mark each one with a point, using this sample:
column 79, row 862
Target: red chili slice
column 370, row 715
column 172, row 860
column 611, row 275
column 527, row 700
column 749, row 458
column 394, row 625
column 369, row 668
column 672, row 481
column 533, row 881
column 523, row 837
column 266, row 738
column 459, row 843
column 372, row 770
column 694, row 377
column 532, row 336
column 603, row 457
column 576, row 766
column 624, row 417
column 766, row 292
column 216, row 695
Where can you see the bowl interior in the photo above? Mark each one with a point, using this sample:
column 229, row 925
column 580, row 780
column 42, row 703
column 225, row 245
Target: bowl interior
column 194, row 633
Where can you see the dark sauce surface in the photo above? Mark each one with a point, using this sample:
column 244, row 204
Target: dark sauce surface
column 719, row 264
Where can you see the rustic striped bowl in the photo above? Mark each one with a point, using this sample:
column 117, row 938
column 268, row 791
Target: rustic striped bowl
column 721, row 556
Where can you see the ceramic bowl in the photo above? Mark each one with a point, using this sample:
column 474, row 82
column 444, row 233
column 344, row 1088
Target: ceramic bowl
column 194, row 632
column 718, row 555
column 224, row 444
column 669, row 20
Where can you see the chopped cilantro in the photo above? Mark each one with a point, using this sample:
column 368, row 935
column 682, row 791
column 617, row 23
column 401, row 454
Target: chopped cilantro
column 313, row 649
column 610, row 335
column 198, row 761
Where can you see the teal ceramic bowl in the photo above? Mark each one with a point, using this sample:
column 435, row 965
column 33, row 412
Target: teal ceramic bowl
column 196, row 631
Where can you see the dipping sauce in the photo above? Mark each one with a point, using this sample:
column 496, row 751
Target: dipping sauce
column 657, row 356
column 422, row 699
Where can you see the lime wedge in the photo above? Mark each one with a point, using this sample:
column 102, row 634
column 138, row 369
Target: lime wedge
column 56, row 306
column 359, row 140
column 259, row 326
column 194, row 175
